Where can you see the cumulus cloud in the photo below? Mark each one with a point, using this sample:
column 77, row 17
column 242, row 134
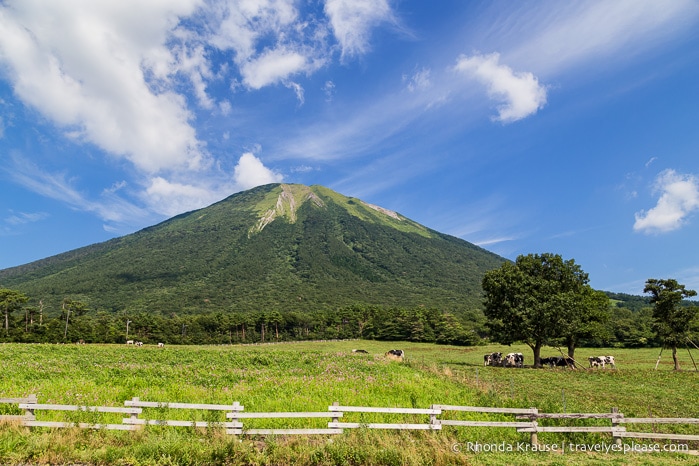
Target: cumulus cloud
column 679, row 197
column 247, row 28
column 520, row 92
column 81, row 64
column 251, row 172
column 171, row 198
column 272, row 67
column 352, row 22
column 129, row 79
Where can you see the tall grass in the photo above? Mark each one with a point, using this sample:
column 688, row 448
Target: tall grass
column 309, row 377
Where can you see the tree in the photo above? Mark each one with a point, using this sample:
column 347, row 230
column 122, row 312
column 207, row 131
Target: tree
column 76, row 307
column 529, row 300
column 11, row 300
column 672, row 321
column 586, row 311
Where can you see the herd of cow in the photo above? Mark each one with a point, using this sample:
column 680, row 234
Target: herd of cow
column 140, row 343
column 517, row 360
column 492, row 359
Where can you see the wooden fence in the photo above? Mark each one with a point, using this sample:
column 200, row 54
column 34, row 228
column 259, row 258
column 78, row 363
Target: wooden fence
column 151, row 413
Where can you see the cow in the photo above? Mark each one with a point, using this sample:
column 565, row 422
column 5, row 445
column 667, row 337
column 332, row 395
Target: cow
column 608, row 360
column 597, row 361
column 513, row 360
column 558, row 361
column 492, row 359
column 139, row 343
column 129, row 342
column 397, row 354
column 548, row 361
column 161, row 345
column 360, row 351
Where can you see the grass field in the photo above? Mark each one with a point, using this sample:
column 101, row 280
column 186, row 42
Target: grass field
column 309, row 377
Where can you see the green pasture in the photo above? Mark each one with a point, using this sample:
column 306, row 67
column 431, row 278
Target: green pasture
column 310, row 377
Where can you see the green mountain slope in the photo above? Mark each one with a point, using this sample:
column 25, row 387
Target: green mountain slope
column 276, row 247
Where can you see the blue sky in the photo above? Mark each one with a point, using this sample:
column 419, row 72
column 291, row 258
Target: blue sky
column 523, row 127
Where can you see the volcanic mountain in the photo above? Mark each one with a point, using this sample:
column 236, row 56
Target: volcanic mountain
column 276, row 247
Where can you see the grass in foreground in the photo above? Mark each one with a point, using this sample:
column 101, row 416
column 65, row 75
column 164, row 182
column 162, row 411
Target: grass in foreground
column 309, row 377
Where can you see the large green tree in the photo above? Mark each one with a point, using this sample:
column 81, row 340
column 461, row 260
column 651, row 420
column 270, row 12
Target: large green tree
column 533, row 299
column 672, row 321
column 10, row 301
column 586, row 311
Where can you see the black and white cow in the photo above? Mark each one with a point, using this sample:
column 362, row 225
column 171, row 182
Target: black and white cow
column 492, row 359
column 608, row 360
column 513, row 360
column 398, row 354
column 597, row 361
column 558, row 361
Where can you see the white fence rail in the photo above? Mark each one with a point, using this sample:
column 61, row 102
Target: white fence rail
column 152, row 413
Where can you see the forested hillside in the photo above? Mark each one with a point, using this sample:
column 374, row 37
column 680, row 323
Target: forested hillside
column 283, row 248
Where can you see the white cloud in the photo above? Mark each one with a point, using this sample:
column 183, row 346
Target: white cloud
column 251, row 172
column 298, row 89
column 272, row 67
column 84, row 65
column 58, row 186
column 20, row 218
column 520, row 91
column 352, row 22
column 679, row 197
column 569, row 34
column 418, row 81
column 329, row 90
column 249, row 27
column 171, row 198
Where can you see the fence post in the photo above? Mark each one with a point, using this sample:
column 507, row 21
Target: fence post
column 29, row 412
column 433, row 418
column 335, row 419
column 134, row 416
column 234, row 417
column 615, row 423
column 533, row 417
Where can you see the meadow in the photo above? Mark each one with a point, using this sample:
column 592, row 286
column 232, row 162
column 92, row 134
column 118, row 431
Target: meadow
column 310, row 376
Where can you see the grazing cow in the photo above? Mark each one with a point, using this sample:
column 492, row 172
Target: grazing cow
column 558, row 361
column 161, row 345
column 608, row 360
column 513, row 360
column 492, row 359
column 360, row 351
column 397, row 354
column 596, row 361
column 139, row 343
column 129, row 342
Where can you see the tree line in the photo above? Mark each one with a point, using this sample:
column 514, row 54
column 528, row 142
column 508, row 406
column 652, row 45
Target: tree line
column 538, row 300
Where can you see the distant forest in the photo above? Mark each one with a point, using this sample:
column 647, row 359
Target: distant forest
column 630, row 325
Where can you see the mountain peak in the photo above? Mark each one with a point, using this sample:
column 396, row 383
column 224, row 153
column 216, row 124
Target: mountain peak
column 284, row 200
column 286, row 247
column 289, row 197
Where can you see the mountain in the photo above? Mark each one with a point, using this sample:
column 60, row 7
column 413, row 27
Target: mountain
column 275, row 247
